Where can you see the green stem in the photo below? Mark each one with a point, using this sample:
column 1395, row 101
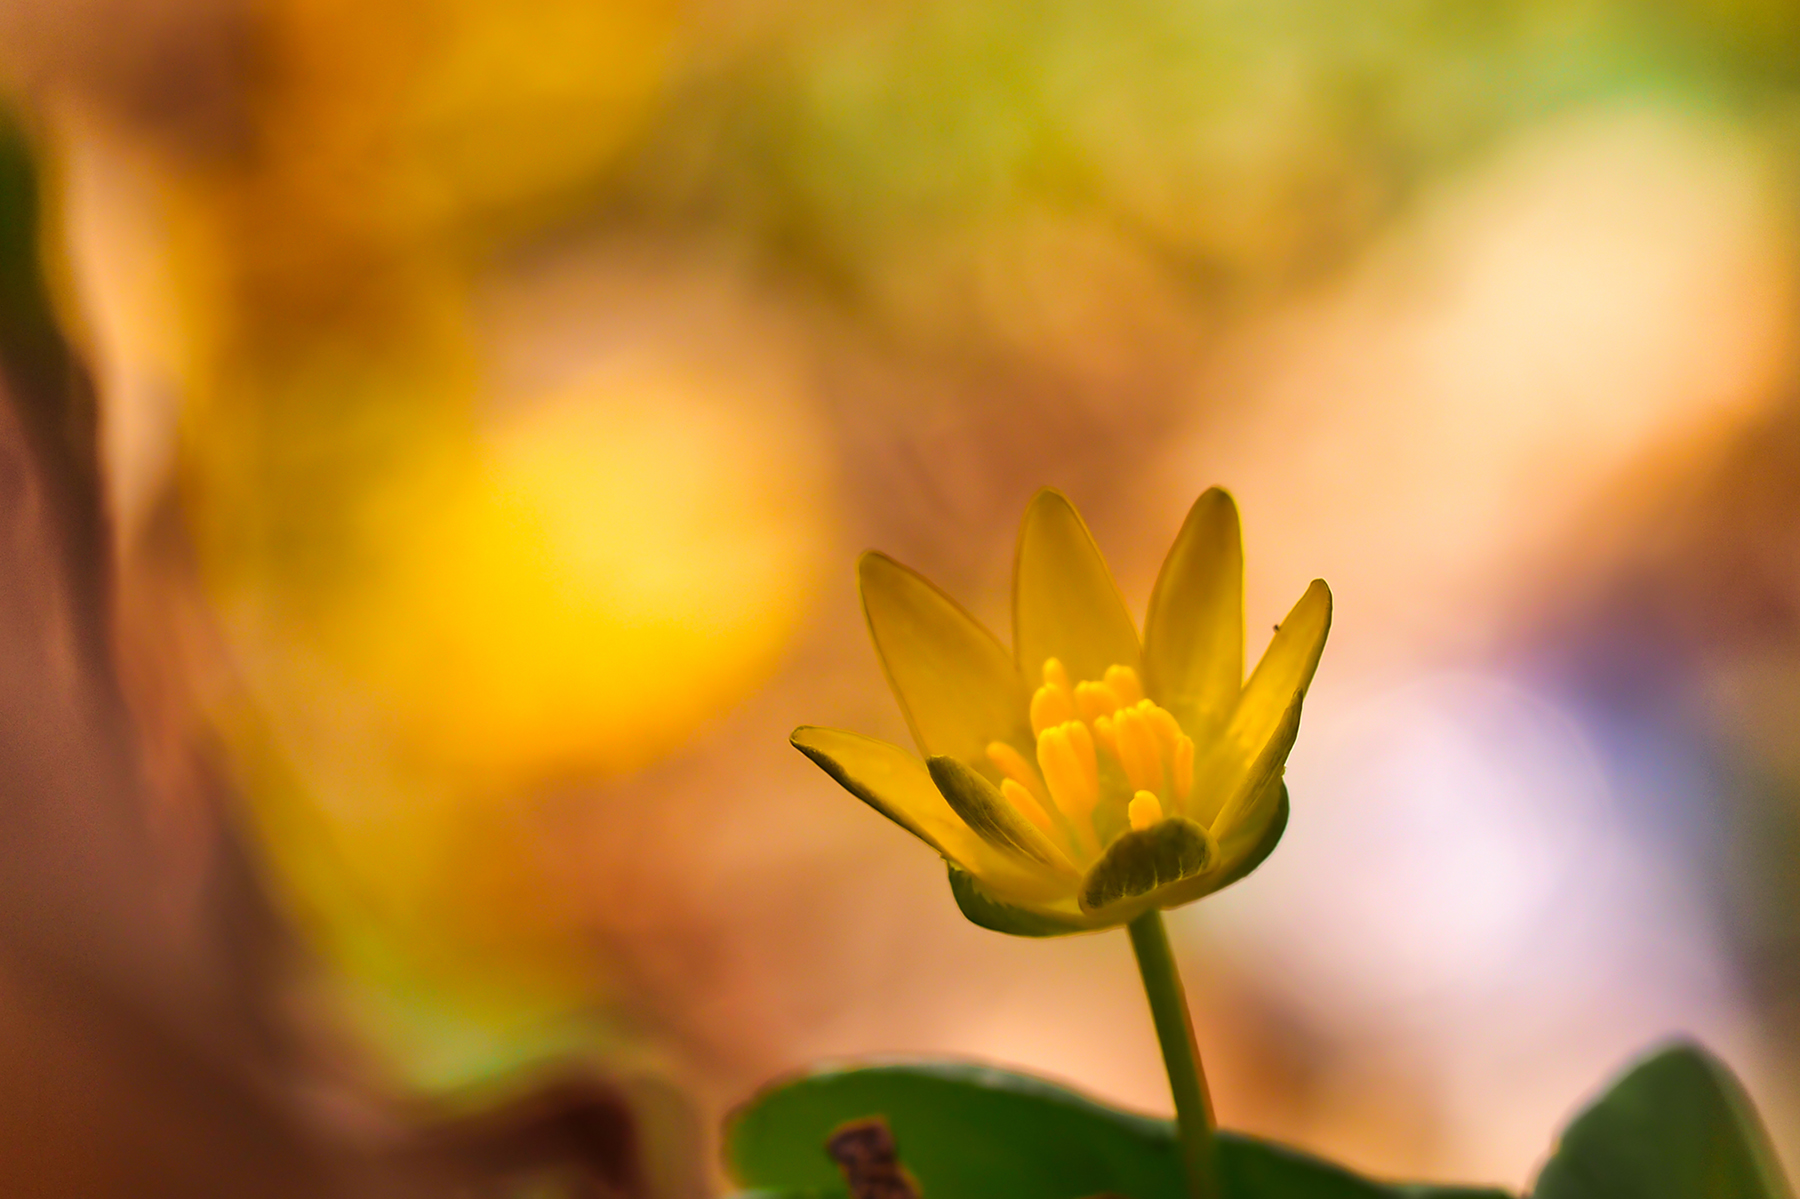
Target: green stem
column 1181, row 1056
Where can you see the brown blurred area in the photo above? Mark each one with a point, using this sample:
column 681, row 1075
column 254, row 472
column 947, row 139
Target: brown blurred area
column 405, row 624
column 146, row 1025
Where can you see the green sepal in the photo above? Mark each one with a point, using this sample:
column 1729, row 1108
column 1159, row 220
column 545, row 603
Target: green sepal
column 983, row 909
column 974, row 1132
column 34, row 360
column 1222, row 876
column 985, row 810
column 1169, row 851
column 1265, row 845
column 1677, row 1125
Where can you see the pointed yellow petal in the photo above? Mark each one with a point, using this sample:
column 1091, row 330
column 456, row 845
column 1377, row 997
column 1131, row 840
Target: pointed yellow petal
column 890, row 780
column 954, row 680
column 1194, row 630
column 1065, row 604
column 1256, row 741
column 899, row 786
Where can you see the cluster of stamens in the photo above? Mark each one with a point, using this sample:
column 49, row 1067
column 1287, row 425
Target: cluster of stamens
column 1075, row 725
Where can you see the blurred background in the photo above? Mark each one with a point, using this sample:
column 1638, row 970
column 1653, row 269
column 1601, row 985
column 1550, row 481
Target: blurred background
column 484, row 405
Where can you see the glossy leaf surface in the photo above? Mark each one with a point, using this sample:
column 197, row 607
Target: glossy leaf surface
column 973, row 1132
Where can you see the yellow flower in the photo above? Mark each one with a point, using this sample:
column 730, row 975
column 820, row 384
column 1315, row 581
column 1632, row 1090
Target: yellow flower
column 1085, row 778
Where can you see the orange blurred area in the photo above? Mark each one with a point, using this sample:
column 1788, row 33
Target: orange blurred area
column 491, row 402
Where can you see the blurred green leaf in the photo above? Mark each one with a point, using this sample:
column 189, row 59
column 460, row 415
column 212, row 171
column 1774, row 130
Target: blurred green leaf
column 973, row 1132
column 31, row 349
column 41, row 380
column 1677, row 1126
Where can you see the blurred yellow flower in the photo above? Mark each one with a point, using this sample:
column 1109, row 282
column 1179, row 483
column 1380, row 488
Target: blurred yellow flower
column 448, row 570
column 1134, row 776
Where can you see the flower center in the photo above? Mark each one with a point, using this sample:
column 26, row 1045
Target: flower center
column 1106, row 758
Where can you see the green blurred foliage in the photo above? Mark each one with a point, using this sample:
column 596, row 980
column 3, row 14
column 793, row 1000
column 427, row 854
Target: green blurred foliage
column 970, row 1132
column 907, row 156
column 1675, row 1125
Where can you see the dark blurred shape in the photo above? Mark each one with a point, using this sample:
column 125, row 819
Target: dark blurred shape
column 142, row 1050
column 179, row 67
column 1678, row 1123
column 864, row 1150
column 1690, row 632
column 52, row 395
column 135, row 1059
column 573, row 1131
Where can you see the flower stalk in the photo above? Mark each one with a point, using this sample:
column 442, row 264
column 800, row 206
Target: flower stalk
column 1181, row 1054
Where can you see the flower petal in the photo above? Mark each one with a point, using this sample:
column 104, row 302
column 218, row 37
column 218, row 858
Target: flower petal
column 1256, row 741
column 891, row 781
column 898, row 785
column 955, row 682
column 1194, row 630
column 1065, row 603
column 990, row 912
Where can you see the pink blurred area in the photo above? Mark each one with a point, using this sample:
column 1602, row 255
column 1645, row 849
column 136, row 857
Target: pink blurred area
column 488, row 422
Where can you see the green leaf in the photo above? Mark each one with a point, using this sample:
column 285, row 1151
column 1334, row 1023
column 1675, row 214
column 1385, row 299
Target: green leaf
column 961, row 1130
column 1141, row 861
column 1255, row 1169
column 983, row 909
column 33, row 358
column 974, row 1132
column 1677, row 1126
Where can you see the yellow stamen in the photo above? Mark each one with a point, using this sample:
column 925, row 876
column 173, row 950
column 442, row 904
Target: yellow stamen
column 1182, row 767
column 1094, row 700
column 1167, row 731
column 1072, row 776
column 1144, row 810
column 1027, row 804
column 1013, row 765
column 1073, row 723
column 1124, row 683
column 1104, row 734
column 1050, row 706
column 1083, row 741
column 1138, row 751
column 1054, row 702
